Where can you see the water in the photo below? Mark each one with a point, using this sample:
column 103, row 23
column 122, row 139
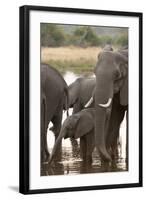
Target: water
column 71, row 163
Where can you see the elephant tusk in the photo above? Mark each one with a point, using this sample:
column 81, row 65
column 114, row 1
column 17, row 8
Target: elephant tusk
column 89, row 102
column 107, row 104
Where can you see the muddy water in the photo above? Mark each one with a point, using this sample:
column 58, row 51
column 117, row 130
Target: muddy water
column 71, row 163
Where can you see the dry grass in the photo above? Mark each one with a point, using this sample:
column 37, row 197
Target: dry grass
column 79, row 60
column 69, row 53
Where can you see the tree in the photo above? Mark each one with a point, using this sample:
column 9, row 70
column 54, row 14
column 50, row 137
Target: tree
column 122, row 40
column 86, row 36
column 52, row 35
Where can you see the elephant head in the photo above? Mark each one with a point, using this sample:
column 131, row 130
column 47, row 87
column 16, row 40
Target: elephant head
column 73, row 92
column 108, row 47
column 75, row 126
column 111, row 77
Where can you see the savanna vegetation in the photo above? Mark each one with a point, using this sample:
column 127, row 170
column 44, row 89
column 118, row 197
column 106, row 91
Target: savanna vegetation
column 76, row 59
column 75, row 48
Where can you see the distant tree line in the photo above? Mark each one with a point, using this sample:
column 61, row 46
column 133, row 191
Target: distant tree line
column 83, row 36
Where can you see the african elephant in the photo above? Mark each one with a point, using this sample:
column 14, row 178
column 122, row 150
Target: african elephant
column 54, row 92
column 111, row 96
column 80, row 91
column 79, row 125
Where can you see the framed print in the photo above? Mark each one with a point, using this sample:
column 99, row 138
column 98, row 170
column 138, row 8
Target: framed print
column 80, row 99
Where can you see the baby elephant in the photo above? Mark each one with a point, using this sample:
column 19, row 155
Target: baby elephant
column 79, row 125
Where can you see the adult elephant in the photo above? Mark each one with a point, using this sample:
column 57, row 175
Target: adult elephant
column 80, row 91
column 54, row 92
column 111, row 96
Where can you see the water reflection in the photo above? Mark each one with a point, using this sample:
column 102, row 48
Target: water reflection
column 71, row 163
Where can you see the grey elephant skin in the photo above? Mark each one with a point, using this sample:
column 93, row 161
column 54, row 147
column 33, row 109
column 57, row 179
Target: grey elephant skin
column 79, row 125
column 54, row 95
column 80, row 91
column 111, row 95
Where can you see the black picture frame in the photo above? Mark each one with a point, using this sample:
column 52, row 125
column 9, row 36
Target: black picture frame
column 25, row 104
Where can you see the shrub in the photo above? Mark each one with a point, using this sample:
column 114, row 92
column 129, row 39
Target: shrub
column 121, row 40
column 52, row 35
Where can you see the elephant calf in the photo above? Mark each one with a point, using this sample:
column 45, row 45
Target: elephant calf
column 79, row 125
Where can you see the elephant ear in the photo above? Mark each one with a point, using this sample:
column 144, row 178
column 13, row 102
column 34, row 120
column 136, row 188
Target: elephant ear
column 85, row 124
column 121, row 58
column 124, row 93
column 122, row 61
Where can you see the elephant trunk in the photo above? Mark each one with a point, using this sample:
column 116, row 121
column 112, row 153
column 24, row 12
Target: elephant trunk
column 57, row 143
column 100, row 136
column 103, row 100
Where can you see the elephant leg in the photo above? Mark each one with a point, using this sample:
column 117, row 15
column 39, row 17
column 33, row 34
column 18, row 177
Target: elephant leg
column 74, row 143
column 83, row 148
column 117, row 116
column 113, row 141
column 117, row 131
column 89, row 147
column 114, row 145
column 75, row 147
column 42, row 131
column 127, row 154
column 44, row 147
column 76, row 108
column 57, row 119
column 43, row 155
